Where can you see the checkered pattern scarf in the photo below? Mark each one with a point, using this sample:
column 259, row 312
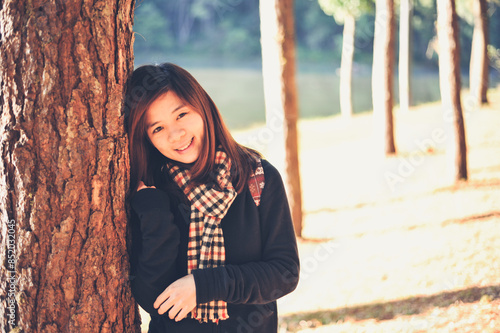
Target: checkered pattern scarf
column 209, row 204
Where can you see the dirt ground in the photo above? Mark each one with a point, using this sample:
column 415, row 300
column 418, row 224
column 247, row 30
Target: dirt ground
column 394, row 244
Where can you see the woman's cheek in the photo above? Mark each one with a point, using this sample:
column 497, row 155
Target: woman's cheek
column 157, row 142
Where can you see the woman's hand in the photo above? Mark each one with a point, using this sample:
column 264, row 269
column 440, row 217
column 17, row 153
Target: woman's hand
column 179, row 297
column 142, row 186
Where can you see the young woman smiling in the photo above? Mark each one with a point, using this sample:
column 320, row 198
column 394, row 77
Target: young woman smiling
column 213, row 244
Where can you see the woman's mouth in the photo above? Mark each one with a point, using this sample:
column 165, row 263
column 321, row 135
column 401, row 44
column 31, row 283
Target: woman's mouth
column 186, row 146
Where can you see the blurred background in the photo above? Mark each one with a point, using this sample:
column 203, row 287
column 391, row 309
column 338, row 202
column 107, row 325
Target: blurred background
column 219, row 41
column 389, row 243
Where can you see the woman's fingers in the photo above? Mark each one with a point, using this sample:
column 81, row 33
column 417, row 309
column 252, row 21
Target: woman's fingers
column 161, row 298
column 166, row 306
column 168, row 299
column 142, row 186
column 178, row 299
column 174, row 306
column 184, row 312
column 174, row 310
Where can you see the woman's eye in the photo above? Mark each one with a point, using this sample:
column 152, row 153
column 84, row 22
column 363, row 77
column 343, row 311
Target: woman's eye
column 182, row 114
column 157, row 129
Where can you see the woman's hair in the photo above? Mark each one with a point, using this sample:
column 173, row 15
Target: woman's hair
column 149, row 82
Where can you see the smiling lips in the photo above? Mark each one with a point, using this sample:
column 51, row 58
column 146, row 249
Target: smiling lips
column 186, row 146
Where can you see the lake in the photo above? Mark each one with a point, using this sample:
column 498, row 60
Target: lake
column 239, row 94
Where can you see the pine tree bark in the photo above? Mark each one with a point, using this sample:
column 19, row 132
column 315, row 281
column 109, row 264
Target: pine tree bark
column 383, row 72
column 405, row 53
column 479, row 60
column 449, row 82
column 278, row 63
column 64, row 166
column 346, row 66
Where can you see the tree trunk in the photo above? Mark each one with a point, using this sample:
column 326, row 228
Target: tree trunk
column 478, row 75
column 346, row 66
column 405, row 54
column 383, row 72
column 449, row 81
column 185, row 21
column 278, row 64
column 64, row 166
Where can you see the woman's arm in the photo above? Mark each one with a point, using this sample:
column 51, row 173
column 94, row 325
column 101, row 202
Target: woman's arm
column 276, row 274
column 156, row 267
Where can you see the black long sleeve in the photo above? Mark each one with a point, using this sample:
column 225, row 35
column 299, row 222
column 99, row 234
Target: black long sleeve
column 155, row 266
column 276, row 273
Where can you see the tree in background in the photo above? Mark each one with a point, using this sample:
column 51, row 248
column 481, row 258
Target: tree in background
column 316, row 31
column 152, row 29
column 383, row 72
column 345, row 12
column 494, row 38
column 205, row 31
column 478, row 77
column 405, row 53
column 280, row 92
column 424, row 31
column 449, row 82
column 64, row 166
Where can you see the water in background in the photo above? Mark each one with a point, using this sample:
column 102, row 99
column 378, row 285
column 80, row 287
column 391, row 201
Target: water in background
column 239, row 94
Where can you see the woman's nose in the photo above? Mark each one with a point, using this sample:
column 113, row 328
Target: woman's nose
column 176, row 134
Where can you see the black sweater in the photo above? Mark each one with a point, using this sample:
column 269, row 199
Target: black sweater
column 262, row 262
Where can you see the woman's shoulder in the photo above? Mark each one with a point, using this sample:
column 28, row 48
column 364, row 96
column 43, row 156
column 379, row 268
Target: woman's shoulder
column 269, row 169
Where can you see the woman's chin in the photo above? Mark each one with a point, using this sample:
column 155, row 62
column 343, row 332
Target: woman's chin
column 184, row 158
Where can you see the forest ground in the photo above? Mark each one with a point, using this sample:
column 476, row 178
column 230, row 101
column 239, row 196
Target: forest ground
column 393, row 244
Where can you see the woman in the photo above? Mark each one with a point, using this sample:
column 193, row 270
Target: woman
column 213, row 242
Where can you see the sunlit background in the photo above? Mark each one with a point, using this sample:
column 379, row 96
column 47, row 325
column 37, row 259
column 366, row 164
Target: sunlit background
column 390, row 244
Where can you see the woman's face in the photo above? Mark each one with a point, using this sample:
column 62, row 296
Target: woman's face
column 175, row 128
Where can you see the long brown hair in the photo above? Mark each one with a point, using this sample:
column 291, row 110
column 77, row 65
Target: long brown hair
column 149, row 82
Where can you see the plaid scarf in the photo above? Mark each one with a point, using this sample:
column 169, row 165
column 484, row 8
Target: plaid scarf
column 209, row 204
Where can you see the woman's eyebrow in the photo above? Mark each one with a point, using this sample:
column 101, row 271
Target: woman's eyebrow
column 173, row 111
column 179, row 107
column 151, row 125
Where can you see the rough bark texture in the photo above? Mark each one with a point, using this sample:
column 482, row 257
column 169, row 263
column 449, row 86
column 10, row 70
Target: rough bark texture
column 278, row 61
column 405, row 52
column 383, row 71
column 449, row 81
column 479, row 60
column 346, row 66
column 64, row 165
